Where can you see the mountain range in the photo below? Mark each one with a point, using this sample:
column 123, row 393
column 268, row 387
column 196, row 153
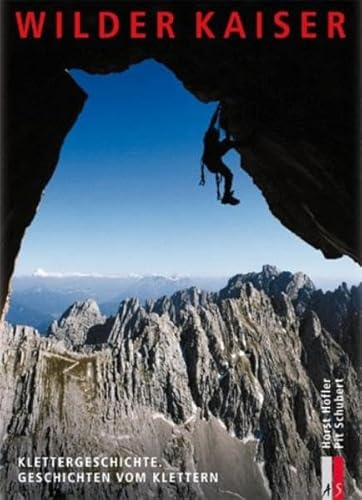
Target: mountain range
column 226, row 381
column 39, row 299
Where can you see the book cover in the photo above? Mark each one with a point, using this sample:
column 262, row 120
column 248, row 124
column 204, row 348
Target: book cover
column 180, row 250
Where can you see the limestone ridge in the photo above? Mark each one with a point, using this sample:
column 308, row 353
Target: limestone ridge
column 225, row 382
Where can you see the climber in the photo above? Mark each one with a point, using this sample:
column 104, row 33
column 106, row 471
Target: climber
column 327, row 491
column 214, row 150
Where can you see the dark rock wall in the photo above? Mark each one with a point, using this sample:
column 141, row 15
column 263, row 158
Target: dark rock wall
column 292, row 104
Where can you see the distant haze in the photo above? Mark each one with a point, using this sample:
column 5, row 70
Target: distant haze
column 59, row 279
column 40, row 298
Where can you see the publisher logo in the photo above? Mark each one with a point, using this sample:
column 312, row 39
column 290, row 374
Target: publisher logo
column 332, row 478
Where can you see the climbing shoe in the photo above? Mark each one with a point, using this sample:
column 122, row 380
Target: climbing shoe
column 229, row 199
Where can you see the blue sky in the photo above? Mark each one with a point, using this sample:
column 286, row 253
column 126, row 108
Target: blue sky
column 125, row 195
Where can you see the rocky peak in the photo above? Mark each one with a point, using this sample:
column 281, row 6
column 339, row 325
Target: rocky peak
column 299, row 287
column 88, row 308
column 177, row 303
column 299, row 281
column 75, row 323
column 270, row 271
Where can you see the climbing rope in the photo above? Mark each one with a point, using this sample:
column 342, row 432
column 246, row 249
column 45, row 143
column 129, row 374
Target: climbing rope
column 218, row 183
column 218, row 180
column 202, row 174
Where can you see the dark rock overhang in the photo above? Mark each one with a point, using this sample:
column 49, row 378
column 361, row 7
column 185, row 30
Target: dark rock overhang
column 293, row 103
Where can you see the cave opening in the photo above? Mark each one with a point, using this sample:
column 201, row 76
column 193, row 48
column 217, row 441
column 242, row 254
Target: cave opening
column 125, row 200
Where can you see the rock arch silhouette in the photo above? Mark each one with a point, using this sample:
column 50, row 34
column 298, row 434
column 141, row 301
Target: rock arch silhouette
column 300, row 100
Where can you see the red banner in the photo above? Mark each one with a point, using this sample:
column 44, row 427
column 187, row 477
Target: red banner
column 338, row 478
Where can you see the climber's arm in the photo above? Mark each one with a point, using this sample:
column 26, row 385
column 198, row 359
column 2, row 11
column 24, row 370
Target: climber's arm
column 214, row 118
